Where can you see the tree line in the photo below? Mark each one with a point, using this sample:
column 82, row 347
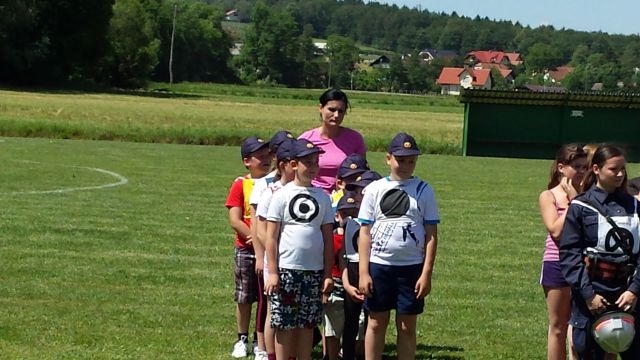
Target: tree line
column 128, row 42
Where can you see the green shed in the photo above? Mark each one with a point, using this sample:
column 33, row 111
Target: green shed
column 528, row 124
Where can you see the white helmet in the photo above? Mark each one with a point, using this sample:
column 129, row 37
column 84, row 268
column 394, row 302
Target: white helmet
column 614, row 331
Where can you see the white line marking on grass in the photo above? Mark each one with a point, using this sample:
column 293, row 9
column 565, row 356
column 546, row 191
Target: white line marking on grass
column 121, row 181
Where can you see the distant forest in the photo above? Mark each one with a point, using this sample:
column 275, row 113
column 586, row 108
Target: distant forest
column 277, row 47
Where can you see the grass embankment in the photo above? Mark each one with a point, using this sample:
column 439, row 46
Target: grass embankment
column 223, row 115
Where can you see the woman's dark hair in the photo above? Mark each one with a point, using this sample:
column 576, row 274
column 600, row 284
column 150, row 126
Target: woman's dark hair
column 334, row 94
column 603, row 153
column 565, row 155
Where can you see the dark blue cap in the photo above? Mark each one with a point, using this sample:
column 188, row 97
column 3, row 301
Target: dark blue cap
column 403, row 144
column 352, row 165
column 348, row 201
column 278, row 138
column 285, row 150
column 363, row 180
column 304, row 147
column 251, row 145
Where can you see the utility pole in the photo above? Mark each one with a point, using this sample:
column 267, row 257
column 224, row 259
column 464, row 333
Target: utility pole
column 173, row 34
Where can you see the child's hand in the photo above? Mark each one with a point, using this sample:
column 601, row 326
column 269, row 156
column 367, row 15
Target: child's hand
column 259, row 265
column 327, row 285
column 273, row 284
column 567, row 185
column 249, row 240
column 354, row 293
column 423, row 287
column 325, row 298
column 366, row 285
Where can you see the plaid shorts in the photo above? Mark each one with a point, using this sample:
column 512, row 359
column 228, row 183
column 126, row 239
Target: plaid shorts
column 298, row 304
column 246, row 278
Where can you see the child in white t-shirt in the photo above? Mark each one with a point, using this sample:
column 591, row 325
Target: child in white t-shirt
column 397, row 248
column 299, row 247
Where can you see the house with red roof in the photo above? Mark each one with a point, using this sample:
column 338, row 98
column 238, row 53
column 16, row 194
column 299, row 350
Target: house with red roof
column 493, row 57
column 453, row 79
column 506, row 73
column 557, row 74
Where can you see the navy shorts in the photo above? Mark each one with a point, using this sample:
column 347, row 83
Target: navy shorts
column 551, row 275
column 394, row 288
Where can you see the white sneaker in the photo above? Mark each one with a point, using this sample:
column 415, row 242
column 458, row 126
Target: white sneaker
column 256, row 349
column 261, row 355
column 239, row 349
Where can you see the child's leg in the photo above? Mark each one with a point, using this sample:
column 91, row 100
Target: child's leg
column 284, row 343
column 243, row 317
column 374, row 337
column 261, row 313
column 351, row 316
column 269, row 333
column 406, row 343
column 304, row 343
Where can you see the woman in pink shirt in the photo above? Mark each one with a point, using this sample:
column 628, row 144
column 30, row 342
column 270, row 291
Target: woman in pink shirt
column 567, row 172
column 336, row 140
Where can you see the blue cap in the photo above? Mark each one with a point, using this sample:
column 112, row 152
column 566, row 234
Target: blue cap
column 285, row 150
column 363, row 180
column 251, row 145
column 403, row 144
column 353, row 164
column 348, row 201
column 278, row 138
column 304, row 147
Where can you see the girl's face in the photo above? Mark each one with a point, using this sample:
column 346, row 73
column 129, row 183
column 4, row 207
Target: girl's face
column 332, row 113
column 575, row 170
column 611, row 175
column 287, row 174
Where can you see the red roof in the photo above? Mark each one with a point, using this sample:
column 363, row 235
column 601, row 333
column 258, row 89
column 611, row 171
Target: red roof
column 493, row 56
column 449, row 76
column 560, row 72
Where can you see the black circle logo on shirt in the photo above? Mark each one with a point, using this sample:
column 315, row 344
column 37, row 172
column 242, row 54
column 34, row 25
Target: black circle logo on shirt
column 626, row 237
column 303, row 208
column 354, row 240
column 394, row 203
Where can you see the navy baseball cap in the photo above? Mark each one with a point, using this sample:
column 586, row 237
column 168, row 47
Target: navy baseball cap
column 285, row 150
column 251, row 145
column 304, row 147
column 364, row 179
column 353, row 164
column 278, row 138
column 347, row 201
column 403, row 144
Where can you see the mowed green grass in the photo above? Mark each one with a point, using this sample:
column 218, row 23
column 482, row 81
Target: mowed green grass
column 223, row 115
column 144, row 270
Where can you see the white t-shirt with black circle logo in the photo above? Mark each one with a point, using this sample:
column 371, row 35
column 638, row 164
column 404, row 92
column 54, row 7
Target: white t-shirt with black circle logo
column 301, row 211
column 397, row 212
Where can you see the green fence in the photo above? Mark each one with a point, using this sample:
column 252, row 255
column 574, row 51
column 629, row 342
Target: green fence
column 533, row 125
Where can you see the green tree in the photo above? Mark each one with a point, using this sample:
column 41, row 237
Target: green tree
column 310, row 69
column 542, row 56
column 201, row 47
column 271, row 47
column 498, row 81
column 134, row 48
column 342, row 56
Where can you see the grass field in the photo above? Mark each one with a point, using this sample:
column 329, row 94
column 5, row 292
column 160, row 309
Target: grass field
column 223, row 115
column 144, row 270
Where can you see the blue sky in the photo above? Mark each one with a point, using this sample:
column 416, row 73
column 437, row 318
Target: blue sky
column 611, row 16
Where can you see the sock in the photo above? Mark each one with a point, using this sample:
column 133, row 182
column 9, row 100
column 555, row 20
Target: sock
column 255, row 337
column 271, row 356
column 244, row 337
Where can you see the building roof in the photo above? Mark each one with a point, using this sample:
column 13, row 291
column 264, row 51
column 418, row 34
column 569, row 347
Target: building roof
column 560, row 72
column 581, row 99
column 451, row 76
column 436, row 54
column 492, row 56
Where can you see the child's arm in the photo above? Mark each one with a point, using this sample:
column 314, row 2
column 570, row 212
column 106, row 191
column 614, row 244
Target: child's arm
column 271, row 246
column 351, row 290
column 327, row 237
column 364, row 251
column 423, row 286
column 236, row 220
column 258, row 245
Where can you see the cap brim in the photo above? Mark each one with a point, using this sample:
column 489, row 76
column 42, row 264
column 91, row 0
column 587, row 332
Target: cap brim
column 309, row 152
column 408, row 152
column 351, row 172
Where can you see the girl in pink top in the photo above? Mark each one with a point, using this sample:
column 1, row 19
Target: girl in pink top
column 337, row 141
column 567, row 172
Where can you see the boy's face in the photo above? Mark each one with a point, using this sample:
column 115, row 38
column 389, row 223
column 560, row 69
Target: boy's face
column 258, row 162
column 402, row 167
column 342, row 183
column 306, row 167
column 286, row 170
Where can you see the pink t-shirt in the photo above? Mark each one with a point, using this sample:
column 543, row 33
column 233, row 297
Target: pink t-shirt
column 335, row 151
column 551, row 251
